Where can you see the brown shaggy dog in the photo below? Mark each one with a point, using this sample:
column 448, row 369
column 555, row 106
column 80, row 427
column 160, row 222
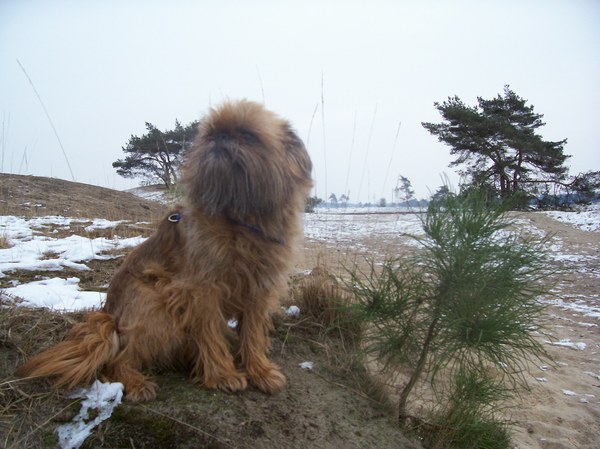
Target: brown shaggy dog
column 224, row 254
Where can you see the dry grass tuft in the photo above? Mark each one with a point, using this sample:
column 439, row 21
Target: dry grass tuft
column 4, row 242
column 26, row 407
column 320, row 297
column 29, row 329
column 324, row 303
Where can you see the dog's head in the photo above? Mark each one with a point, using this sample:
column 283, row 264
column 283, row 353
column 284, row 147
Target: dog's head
column 246, row 161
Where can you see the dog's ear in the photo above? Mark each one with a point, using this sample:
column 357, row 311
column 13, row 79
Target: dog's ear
column 301, row 164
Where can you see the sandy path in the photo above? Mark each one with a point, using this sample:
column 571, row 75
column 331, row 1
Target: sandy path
column 563, row 408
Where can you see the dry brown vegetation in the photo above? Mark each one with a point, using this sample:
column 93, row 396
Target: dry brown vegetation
column 32, row 196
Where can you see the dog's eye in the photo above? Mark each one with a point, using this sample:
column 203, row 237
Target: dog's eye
column 221, row 137
column 248, row 137
column 242, row 135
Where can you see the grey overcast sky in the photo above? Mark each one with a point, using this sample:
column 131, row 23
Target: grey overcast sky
column 104, row 68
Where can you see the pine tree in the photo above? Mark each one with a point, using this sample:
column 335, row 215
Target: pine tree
column 497, row 144
column 156, row 155
column 404, row 190
column 467, row 304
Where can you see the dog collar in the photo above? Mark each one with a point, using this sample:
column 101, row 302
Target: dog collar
column 174, row 218
column 256, row 230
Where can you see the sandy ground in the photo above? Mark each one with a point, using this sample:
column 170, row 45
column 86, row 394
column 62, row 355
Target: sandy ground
column 562, row 410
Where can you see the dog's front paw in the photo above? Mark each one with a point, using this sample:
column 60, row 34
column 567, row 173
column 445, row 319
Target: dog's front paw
column 270, row 381
column 141, row 391
column 230, row 383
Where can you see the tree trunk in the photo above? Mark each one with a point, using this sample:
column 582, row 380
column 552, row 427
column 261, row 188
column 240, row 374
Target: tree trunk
column 402, row 415
column 517, row 174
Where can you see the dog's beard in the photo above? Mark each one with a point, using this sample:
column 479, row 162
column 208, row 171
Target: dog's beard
column 234, row 182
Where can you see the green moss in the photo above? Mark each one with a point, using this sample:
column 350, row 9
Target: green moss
column 49, row 439
column 160, row 429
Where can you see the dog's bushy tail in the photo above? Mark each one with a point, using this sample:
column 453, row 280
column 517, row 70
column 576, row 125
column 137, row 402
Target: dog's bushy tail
column 78, row 359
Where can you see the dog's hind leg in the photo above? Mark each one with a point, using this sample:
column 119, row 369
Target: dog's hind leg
column 137, row 386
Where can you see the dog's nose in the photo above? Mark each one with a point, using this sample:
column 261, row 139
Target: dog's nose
column 220, row 144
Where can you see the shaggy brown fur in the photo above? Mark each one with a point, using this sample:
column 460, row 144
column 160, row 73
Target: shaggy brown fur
column 225, row 254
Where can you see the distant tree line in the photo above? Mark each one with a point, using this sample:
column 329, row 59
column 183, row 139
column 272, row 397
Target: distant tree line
column 496, row 144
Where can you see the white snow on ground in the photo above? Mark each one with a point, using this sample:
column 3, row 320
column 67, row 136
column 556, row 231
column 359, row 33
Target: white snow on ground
column 157, row 194
column 32, row 252
column 338, row 228
column 101, row 223
column 307, row 365
column 292, row 311
column 101, row 399
column 587, row 219
column 567, row 343
column 588, row 306
column 63, row 295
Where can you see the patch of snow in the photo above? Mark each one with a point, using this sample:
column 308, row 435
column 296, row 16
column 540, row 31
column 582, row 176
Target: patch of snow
column 586, row 220
column 292, row 311
column 101, row 399
column 101, row 223
column 589, row 373
column 589, row 307
column 33, row 252
column 146, row 193
column 569, row 393
column 337, row 228
column 307, row 365
column 57, row 294
column 41, row 253
column 567, row 343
